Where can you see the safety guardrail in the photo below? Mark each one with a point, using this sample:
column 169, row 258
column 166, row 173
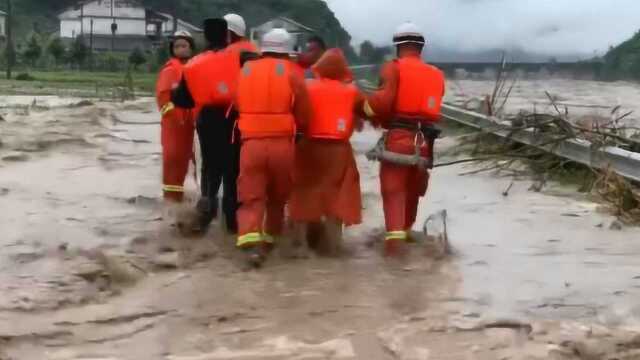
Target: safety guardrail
column 623, row 162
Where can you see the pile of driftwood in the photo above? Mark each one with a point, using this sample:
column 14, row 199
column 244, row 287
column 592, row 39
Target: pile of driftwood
column 508, row 157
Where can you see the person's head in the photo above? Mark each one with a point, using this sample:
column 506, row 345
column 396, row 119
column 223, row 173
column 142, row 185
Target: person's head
column 237, row 27
column 276, row 43
column 408, row 40
column 314, row 50
column 215, row 32
column 182, row 45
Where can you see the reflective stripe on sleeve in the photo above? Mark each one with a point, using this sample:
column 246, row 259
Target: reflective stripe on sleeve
column 167, row 108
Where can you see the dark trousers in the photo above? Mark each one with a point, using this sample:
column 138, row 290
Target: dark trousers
column 220, row 165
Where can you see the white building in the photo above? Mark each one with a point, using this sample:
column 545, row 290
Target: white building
column 134, row 25
column 3, row 22
column 299, row 32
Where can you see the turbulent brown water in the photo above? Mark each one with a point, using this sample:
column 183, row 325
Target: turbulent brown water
column 91, row 269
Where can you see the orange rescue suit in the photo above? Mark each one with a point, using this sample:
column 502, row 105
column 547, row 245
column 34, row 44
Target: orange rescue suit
column 411, row 92
column 272, row 101
column 177, row 132
column 333, row 109
column 327, row 182
column 211, row 77
column 264, row 99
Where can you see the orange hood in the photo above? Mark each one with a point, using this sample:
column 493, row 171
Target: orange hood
column 333, row 65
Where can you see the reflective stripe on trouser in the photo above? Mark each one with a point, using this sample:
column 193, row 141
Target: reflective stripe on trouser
column 250, row 240
column 264, row 185
column 173, row 188
column 396, row 235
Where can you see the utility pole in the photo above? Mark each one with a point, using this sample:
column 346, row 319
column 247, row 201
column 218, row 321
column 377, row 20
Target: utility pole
column 114, row 28
column 10, row 51
column 82, row 20
column 91, row 46
column 176, row 4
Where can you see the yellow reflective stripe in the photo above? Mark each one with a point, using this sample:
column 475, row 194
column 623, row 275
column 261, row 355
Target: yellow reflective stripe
column 368, row 110
column 396, row 235
column 166, row 108
column 249, row 239
column 173, row 188
column 269, row 239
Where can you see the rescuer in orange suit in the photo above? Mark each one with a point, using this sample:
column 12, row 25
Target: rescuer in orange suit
column 273, row 101
column 314, row 50
column 237, row 35
column 178, row 125
column 327, row 182
column 208, row 85
column 407, row 105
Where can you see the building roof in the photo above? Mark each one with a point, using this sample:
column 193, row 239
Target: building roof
column 293, row 22
column 191, row 27
column 282, row 21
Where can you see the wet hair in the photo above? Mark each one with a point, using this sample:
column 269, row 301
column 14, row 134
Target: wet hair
column 318, row 40
column 191, row 42
column 234, row 37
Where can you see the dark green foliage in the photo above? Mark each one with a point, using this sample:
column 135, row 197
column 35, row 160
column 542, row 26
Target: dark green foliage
column 56, row 50
column 78, row 53
column 623, row 61
column 137, row 58
column 32, row 51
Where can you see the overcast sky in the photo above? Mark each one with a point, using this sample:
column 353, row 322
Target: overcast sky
column 548, row 26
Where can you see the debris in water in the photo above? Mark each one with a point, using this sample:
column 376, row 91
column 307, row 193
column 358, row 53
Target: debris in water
column 435, row 231
column 505, row 193
column 16, row 157
column 81, row 103
column 616, row 226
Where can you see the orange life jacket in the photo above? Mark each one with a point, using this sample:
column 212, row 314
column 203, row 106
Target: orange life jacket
column 243, row 45
column 265, row 99
column 333, row 105
column 420, row 90
column 211, row 78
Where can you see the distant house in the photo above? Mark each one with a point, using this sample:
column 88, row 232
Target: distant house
column 119, row 25
column 299, row 32
column 3, row 22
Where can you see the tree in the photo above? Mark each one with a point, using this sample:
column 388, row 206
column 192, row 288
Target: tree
column 137, row 58
column 371, row 54
column 56, row 50
column 78, row 52
column 33, row 50
column 367, row 51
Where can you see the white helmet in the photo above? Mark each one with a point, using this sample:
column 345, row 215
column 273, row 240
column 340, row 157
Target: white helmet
column 276, row 41
column 182, row 34
column 408, row 33
column 236, row 24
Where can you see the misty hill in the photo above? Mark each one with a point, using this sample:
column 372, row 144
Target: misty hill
column 443, row 54
column 623, row 61
column 40, row 15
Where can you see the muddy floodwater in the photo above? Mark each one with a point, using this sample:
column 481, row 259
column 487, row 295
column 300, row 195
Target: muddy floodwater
column 580, row 97
column 91, row 268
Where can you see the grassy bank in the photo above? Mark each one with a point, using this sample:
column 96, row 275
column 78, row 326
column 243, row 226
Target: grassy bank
column 79, row 83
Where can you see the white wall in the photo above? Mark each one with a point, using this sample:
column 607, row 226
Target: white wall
column 102, row 26
column 103, row 8
column 2, row 26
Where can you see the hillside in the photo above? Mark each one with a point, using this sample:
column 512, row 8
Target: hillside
column 623, row 61
column 41, row 14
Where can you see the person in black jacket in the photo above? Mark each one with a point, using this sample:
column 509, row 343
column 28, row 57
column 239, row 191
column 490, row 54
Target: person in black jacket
column 219, row 146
